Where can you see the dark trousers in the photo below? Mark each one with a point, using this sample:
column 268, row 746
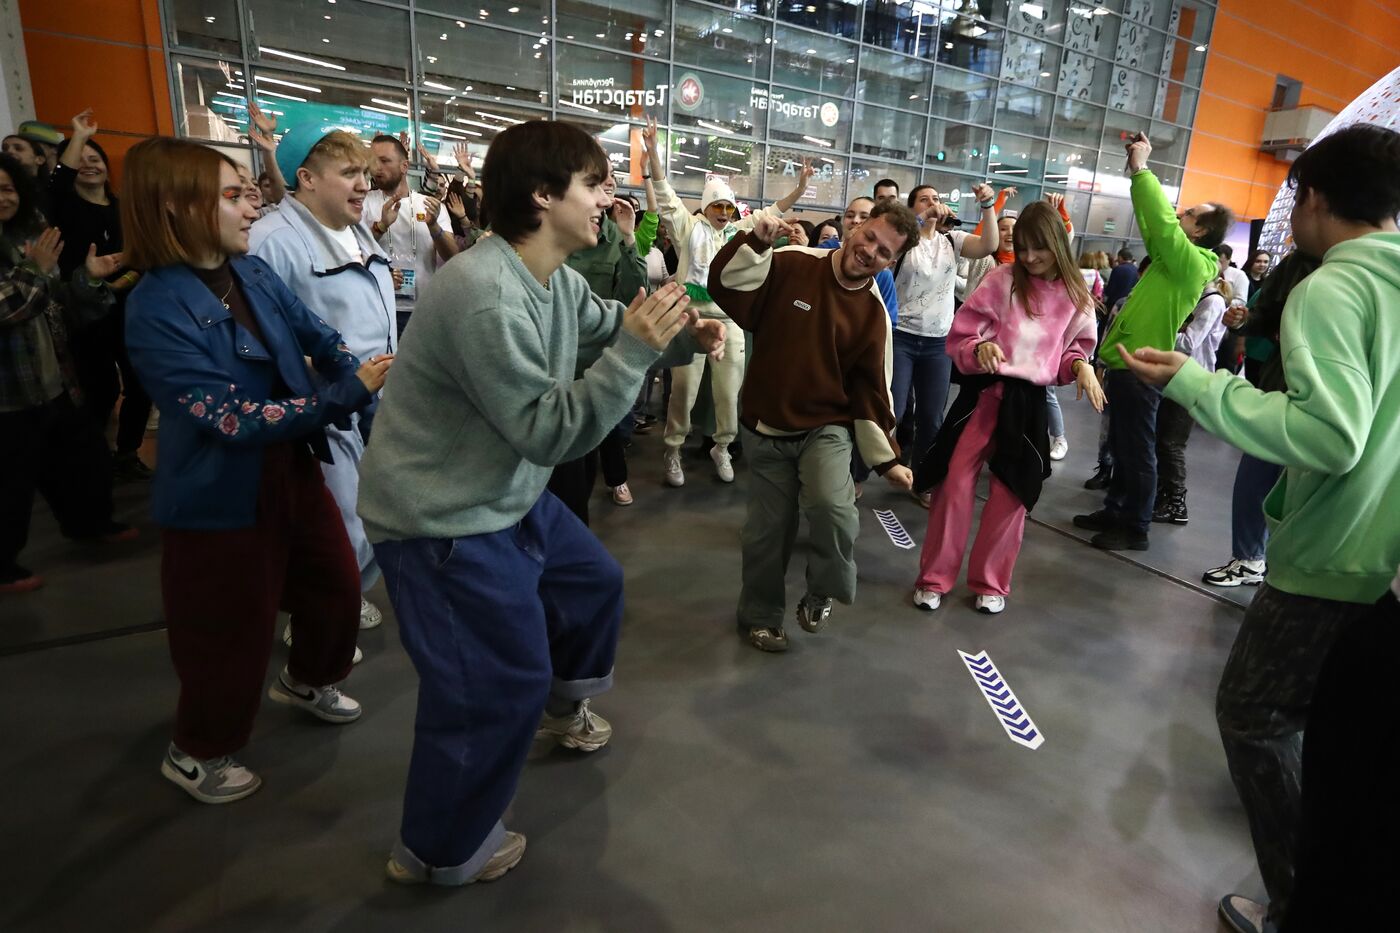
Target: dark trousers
column 1262, row 705
column 1248, row 530
column 1349, row 780
column 105, row 374
column 1132, row 438
column 572, row 483
column 58, row 451
column 1174, row 426
column 494, row 624
column 612, row 455
column 222, row 590
column 921, row 364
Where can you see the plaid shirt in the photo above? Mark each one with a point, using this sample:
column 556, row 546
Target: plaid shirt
column 36, row 313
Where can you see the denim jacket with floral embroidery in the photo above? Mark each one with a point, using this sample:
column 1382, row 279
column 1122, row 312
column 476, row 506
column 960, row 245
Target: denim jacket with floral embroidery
column 211, row 379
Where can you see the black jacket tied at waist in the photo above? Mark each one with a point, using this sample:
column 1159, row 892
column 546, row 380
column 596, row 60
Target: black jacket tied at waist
column 1021, row 455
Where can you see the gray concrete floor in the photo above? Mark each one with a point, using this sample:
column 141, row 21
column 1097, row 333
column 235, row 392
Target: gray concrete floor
column 859, row 782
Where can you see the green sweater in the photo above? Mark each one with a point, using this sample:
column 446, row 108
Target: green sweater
column 613, row 269
column 1172, row 284
column 482, row 400
column 1334, row 517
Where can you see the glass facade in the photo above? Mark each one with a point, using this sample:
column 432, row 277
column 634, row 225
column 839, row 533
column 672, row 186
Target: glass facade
column 1038, row 95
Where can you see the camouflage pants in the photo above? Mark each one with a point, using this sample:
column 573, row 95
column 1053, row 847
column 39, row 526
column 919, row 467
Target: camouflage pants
column 1261, row 707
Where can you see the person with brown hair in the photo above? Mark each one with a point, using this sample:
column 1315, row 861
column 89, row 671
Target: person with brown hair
column 1029, row 325
column 508, row 606
column 248, row 526
column 818, row 384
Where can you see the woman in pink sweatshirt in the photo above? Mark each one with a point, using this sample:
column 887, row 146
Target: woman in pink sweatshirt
column 1030, row 324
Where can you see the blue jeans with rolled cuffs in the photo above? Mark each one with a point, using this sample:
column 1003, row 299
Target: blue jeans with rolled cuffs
column 495, row 624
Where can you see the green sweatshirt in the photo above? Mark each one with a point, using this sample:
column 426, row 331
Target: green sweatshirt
column 482, row 400
column 1334, row 517
column 1172, row 284
column 613, row 269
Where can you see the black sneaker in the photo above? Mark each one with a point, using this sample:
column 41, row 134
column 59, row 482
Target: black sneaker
column 768, row 639
column 128, row 468
column 17, row 579
column 1170, row 510
column 813, row 612
column 1103, row 475
column 1102, row 520
column 1120, row 539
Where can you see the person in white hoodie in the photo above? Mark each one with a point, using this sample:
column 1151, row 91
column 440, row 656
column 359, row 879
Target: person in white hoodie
column 698, row 239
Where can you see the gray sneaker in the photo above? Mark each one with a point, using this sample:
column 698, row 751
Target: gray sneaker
column 769, row 639
column 326, row 702
column 209, row 780
column 584, row 729
column 813, row 612
column 507, row 857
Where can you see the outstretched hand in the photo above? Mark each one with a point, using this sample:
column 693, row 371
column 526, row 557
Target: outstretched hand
column 101, row 267
column 1154, row 367
column 262, row 127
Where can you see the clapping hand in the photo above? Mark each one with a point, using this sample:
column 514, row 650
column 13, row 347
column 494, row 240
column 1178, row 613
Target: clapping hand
column 44, row 250
column 101, row 267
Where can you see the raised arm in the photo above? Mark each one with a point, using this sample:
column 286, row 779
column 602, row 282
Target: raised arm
column 739, row 274
column 986, row 243
column 84, row 129
column 262, row 129
column 785, row 203
column 668, row 206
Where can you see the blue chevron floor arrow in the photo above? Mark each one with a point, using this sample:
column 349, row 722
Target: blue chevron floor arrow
column 898, row 536
column 1009, row 712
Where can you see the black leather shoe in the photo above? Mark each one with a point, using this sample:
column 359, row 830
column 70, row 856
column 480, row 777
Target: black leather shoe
column 1102, row 520
column 1101, row 478
column 1120, row 539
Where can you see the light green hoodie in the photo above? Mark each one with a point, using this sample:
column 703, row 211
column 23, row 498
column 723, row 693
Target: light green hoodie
column 1334, row 517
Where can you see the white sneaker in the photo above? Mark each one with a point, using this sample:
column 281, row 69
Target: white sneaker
column 326, row 702
column 209, row 780
column 582, row 729
column 675, row 476
column 1058, row 447
column 991, row 605
column 928, row 599
column 370, row 616
column 724, row 466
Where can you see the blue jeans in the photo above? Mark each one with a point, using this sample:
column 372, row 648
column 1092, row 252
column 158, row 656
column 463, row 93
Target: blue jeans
column 924, row 363
column 1053, row 415
column 1248, row 531
column 1132, row 437
column 495, row 624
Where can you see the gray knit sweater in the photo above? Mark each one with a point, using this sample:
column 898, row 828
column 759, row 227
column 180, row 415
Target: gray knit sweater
column 482, row 401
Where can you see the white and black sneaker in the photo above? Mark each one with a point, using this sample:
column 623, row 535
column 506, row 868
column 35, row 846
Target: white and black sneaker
column 209, row 780
column 989, row 604
column 326, row 702
column 370, row 616
column 1237, row 573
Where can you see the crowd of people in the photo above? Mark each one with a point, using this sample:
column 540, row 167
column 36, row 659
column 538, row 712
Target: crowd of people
column 357, row 379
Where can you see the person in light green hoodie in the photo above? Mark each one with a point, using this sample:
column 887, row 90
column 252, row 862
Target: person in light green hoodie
column 1334, row 536
column 1182, row 263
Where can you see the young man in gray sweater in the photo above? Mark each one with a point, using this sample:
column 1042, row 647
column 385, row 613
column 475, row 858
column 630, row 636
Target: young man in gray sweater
column 508, row 606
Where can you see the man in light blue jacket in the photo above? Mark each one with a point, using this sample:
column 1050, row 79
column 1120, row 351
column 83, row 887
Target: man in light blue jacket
column 318, row 246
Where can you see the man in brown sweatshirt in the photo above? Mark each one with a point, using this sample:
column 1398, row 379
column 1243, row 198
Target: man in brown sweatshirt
column 819, row 376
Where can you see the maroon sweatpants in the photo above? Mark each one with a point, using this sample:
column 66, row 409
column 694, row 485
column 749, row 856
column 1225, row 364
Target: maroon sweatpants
column 222, row 591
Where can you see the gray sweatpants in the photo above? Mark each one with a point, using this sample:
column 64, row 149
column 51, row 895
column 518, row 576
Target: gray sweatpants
column 812, row 474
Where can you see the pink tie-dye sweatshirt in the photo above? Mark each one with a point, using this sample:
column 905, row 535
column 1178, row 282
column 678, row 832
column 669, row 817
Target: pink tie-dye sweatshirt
column 1040, row 349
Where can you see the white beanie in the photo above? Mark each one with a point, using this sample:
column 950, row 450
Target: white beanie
column 716, row 189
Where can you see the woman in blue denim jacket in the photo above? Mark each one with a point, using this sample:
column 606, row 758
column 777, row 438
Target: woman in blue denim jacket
column 248, row 526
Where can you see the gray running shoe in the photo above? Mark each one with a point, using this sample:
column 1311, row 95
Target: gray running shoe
column 209, row 780
column 326, row 702
column 584, row 729
column 507, row 857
